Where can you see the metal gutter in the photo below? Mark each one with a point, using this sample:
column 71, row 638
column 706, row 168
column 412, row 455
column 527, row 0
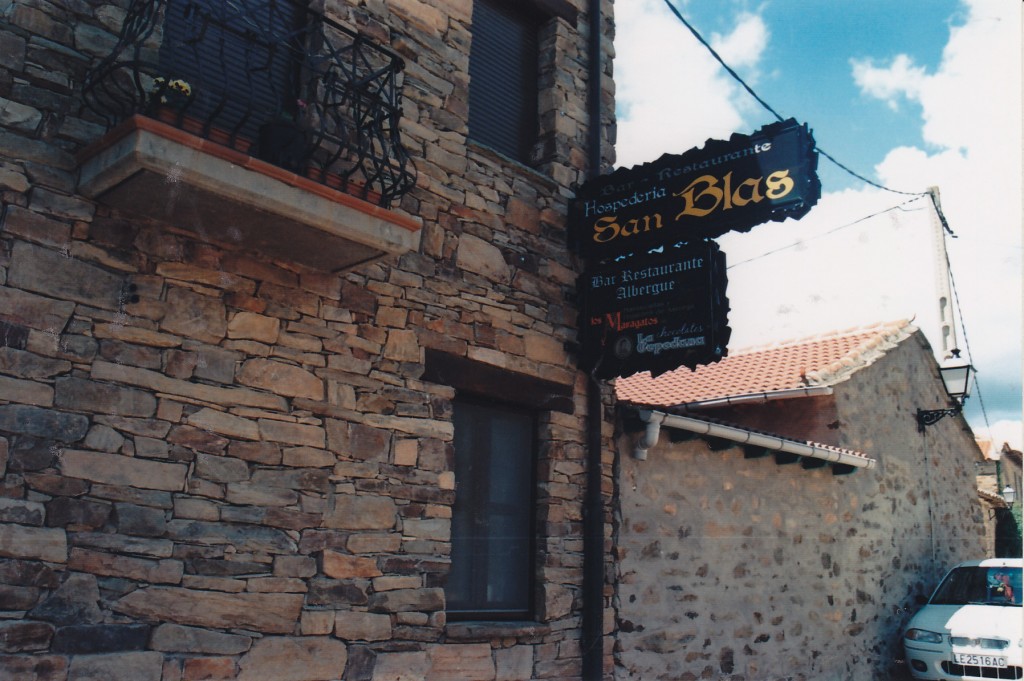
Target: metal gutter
column 656, row 419
column 760, row 398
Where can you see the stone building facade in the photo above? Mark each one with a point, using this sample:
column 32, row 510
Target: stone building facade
column 220, row 461
column 230, row 392
column 741, row 563
column 1000, row 469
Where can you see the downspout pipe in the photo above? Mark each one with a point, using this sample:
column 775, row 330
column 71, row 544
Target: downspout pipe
column 652, row 432
column 592, row 625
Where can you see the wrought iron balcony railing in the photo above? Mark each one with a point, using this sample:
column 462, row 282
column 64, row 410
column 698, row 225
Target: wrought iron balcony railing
column 269, row 77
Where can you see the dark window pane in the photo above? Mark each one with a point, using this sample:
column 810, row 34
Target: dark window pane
column 503, row 77
column 492, row 544
column 990, row 585
column 239, row 58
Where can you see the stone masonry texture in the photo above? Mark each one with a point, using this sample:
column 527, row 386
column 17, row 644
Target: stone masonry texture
column 216, row 464
column 739, row 568
column 219, row 465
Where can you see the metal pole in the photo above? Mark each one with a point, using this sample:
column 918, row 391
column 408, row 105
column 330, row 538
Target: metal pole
column 593, row 507
column 947, row 327
column 593, row 542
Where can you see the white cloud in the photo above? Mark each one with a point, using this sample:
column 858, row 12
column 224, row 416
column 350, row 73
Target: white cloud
column 973, row 99
column 858, row 263
column 971, row 110
column 744, row 46
column 900, row 79
column 1009, row 432
column 665, row 109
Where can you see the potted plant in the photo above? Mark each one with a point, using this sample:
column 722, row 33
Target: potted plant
column 168, row 100
column 285, row 140
column 174, row 94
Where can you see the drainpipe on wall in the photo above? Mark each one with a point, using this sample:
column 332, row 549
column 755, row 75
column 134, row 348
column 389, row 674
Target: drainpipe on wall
column 593, row 542
column 593, row 506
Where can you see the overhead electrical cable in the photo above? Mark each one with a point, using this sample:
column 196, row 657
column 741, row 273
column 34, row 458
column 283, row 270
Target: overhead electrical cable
column 967, row 342
column 824, row 234
column 933, row 192
column 916, row 195
column 768, row 107
column 721, row 61
column 861, row 177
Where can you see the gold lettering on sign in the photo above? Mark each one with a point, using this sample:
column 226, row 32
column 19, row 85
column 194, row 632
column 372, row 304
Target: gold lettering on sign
column 702, row 197
column 705, row 195
column 779, row 184
column 606, row 229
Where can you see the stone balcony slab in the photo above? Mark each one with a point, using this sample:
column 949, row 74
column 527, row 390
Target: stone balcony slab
column 146, row 167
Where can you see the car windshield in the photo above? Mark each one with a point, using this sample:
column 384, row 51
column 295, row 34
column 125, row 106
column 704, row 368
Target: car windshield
column 988, row 585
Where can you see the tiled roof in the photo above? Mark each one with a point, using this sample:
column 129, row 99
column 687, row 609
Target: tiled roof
column 1012, row 454
column 817, row 361
column 986, row 445
column 994, row 499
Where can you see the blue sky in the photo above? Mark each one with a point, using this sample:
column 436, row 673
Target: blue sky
column 910, row 94
column 807, row 70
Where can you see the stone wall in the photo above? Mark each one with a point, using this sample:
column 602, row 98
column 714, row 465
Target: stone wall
column 216, row 465
column 747, row 570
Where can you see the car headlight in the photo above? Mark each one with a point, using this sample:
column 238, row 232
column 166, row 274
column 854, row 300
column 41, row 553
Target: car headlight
column 923, row 635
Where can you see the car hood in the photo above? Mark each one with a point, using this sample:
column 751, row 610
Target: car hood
column 975, row 621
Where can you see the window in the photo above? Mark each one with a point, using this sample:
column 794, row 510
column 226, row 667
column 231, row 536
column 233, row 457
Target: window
column 980, row 585
column 492, row 522
column 494, row 553
column 503, row 77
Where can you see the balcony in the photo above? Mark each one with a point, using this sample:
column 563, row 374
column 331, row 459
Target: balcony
column 259, row 122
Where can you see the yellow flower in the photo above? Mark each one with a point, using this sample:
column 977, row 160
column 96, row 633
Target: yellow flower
column 177, row 86
column 181, row 86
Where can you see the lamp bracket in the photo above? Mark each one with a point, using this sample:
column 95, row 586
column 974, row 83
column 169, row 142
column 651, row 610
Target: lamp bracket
column 927, row 417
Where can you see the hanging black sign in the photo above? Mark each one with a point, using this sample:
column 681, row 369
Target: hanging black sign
column 700, row 194
column 655, row 312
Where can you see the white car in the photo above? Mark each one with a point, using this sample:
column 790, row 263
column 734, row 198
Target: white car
column 973, row 625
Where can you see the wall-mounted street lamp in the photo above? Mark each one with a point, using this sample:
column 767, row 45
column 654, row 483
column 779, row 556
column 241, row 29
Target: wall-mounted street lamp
column 1009, row 495
column 956, row 376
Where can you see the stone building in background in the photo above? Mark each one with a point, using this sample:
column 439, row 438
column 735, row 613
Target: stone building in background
column 278, row 284
column 999, row 489
column 790, row 513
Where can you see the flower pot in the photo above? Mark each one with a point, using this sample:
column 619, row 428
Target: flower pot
column 285, row 144
column 224, row 138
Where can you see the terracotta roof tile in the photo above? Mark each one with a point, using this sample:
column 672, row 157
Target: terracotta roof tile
column 822, row 360
column 986, row 445
column 994, row 499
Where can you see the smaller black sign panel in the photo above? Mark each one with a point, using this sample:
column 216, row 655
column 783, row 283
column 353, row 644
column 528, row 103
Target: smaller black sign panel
column 700, row 194
column 655, row 312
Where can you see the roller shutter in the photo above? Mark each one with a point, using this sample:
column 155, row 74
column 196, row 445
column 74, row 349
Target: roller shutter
column 241, row 58
column 503, row 76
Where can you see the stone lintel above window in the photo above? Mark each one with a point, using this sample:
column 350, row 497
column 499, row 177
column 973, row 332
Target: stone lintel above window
column 478, row 378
